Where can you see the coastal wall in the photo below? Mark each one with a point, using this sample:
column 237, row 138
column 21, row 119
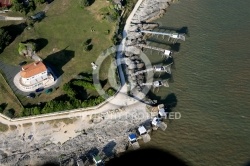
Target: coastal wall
column 148, row 11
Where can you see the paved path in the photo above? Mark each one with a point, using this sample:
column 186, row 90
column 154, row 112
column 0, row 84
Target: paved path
column 119, row 100
column 121, row 47
column 6, row 18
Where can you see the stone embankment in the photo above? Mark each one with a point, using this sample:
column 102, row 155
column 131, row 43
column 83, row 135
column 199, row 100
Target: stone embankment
column 148, row 11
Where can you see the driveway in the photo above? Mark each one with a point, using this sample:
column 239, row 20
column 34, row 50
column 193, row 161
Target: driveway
column 11, row 71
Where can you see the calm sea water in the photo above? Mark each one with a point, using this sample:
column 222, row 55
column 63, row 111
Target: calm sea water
column 211, row 83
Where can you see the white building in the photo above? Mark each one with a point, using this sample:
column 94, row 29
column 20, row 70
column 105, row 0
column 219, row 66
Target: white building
column 35, row 75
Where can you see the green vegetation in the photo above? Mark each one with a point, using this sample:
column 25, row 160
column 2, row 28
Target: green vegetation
column 84, row 3
column 87, row 46
column 4, row 39
column 20, row 6
column 3, row 127
column 62, row 48
column 9, row 104
column 23, row 48
column 111, row 13
column 74, row 99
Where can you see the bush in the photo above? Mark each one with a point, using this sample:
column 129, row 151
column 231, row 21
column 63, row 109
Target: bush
column 111, row 92
column 17, row 6
column 4, row 39
column 40, row 1
column 10, row 113
column 69, row 90
column 86, row 85
column 88, row 47
column 87, row 42
column 2, row 107
column 84, row 3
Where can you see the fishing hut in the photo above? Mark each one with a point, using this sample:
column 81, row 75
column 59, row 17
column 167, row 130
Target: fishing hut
column 144, row 134
column 98, row 160
column 165, row 53
column 133, row 141
column 171, row 35
column 157, row 123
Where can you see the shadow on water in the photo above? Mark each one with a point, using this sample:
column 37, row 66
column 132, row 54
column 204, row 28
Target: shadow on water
column 40, row 43
column 183, row 30
column 149, row 156
column 170, row 101
column 173, row 46
column 57, row 60
column 247, row 164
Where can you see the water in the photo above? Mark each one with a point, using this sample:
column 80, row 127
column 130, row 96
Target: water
column 211, row 83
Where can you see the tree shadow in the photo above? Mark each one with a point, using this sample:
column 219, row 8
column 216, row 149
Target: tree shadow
column 40, row 43
column 57, row 60
column 2, row 107
column 150, row 156
column 13, row 30
column 91, row 2
column 64, row 97
column 103, row 82
column 81, row 92
column 88, row 41
column 108, row 149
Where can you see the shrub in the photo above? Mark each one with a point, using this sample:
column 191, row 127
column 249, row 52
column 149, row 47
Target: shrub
column 4, row 39
column 69, row 90
column 84, row 3
column 10, row 113
column 111, row 92
column 88, row 47
column 86, row 85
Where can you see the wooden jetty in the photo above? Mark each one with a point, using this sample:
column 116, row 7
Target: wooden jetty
column 166, row 53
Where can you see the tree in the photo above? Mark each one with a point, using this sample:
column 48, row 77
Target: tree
column 10, row 113
column 17, row 6
column 2, row 107
column 86, row 85
column 88, row 47
column 69, row 90
column 36, row 110
column 40, row 1
column 4, row 39
column 84, row 3
column 22, row 50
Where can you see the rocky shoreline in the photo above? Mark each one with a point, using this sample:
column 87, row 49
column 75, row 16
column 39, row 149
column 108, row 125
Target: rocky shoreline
column 148, row 11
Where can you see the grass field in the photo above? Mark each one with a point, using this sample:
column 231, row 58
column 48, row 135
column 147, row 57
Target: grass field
column 7, row 96
column 60, row 36
column 3, row 127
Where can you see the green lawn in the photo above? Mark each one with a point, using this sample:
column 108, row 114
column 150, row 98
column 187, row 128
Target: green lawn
column 8, row 97
column 64, row 29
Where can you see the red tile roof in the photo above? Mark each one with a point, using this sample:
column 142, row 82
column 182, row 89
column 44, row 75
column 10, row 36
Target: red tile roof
column 4, row 3
column 32, row 69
